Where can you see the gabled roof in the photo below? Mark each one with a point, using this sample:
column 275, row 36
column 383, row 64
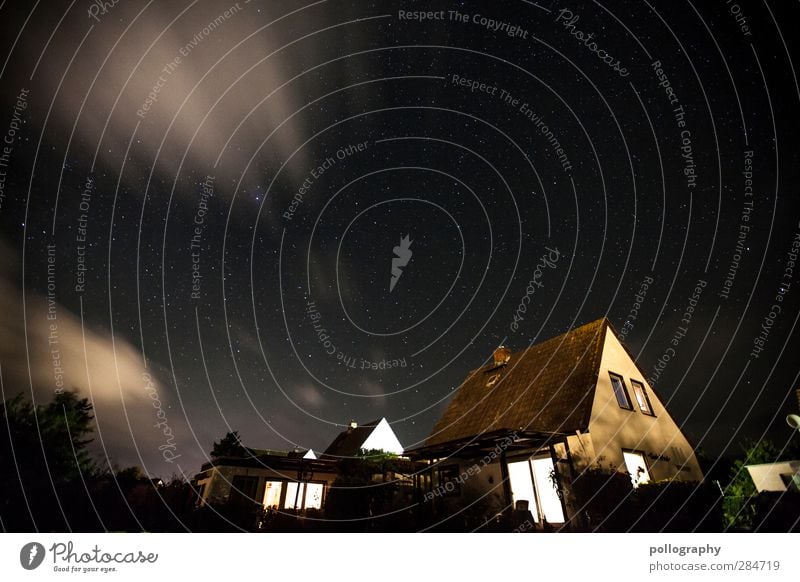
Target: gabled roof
column 547, row 388
column 350, row 442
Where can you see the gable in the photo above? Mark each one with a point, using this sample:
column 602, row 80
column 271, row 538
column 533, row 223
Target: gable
column 383, row 438
column 614, row 428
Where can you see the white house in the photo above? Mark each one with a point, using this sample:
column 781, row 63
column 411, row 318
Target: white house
column 523, row 427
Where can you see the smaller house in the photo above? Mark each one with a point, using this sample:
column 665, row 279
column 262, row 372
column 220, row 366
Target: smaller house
column 295, row 481
column 287, row 480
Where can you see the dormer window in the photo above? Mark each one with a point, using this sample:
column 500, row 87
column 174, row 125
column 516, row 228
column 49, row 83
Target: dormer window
column 641, row 397
column 620, row 391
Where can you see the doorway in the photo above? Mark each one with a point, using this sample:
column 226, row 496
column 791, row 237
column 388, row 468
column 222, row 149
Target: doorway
column 533, row 480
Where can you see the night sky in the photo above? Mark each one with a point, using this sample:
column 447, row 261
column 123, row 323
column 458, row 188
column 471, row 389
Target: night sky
column 201, row 203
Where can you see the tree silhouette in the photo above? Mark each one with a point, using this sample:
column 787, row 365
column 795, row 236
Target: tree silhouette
column 43, row 458
column 229, row 446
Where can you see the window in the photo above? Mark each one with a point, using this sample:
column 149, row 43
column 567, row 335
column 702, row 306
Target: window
column 303, row 495
column 637, row 467
column 641, row 397
column 519, row 474
column 294, row 495
column 620, row 391
column 272, row 494
column 314, row 495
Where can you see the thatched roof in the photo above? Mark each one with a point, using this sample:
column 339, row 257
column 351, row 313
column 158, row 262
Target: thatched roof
column 547, row 388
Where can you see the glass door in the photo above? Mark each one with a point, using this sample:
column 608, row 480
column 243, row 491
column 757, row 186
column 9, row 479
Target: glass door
column 533, row 480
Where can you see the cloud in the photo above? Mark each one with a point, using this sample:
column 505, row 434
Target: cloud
column 45, row 348
column 180, row 84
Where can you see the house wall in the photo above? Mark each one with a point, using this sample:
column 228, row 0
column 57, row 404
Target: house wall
column 219, row 480
column 474, row 478
column 667, row 452
column 767, row 476
column 581, row 450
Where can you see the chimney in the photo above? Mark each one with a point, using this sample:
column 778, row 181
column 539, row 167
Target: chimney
column 501, row 356
column 353, row 424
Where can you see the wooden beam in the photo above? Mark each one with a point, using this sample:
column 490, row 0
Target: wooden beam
column 559, row 485
column 509, row 501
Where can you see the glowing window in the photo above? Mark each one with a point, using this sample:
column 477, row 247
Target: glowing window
column 307, row 496
column 544, row 477
column 522, row 486
column 294, row 496
column 620, row 391
column 637, row 468
column 272, row 494
column 314, row 495
column 641, row 397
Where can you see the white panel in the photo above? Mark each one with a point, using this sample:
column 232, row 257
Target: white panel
column 519, row 474
column 292, row 493
column 634, row 463
column 767, row 476
column 382, row 437
column 314, row 495
column 272, row 494
column 548, row 494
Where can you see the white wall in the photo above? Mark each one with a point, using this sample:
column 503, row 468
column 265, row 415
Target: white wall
column 613, row 428
column 767, row 476
column 383, row 438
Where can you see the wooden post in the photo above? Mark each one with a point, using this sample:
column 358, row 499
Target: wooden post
column 509, row 501
column 560, row 488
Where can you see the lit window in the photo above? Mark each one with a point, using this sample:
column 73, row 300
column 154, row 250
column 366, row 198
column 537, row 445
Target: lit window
column 314, row 495
column 294, row 495
column 620, row 391
column 272, row 494
column 304, row 496
column 641, row 397
column 637, row 468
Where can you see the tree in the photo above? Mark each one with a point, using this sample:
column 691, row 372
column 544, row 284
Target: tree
column 45, row 461
column 229, row 446
column 738, row 510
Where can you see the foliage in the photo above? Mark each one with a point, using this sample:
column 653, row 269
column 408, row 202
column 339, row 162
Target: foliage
column 368, row 493
column 51, row 483
column 605, row 500
column 229, row 446
column 739, row 512
column 43, row 458
column 676, row 506
column 599, row 496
